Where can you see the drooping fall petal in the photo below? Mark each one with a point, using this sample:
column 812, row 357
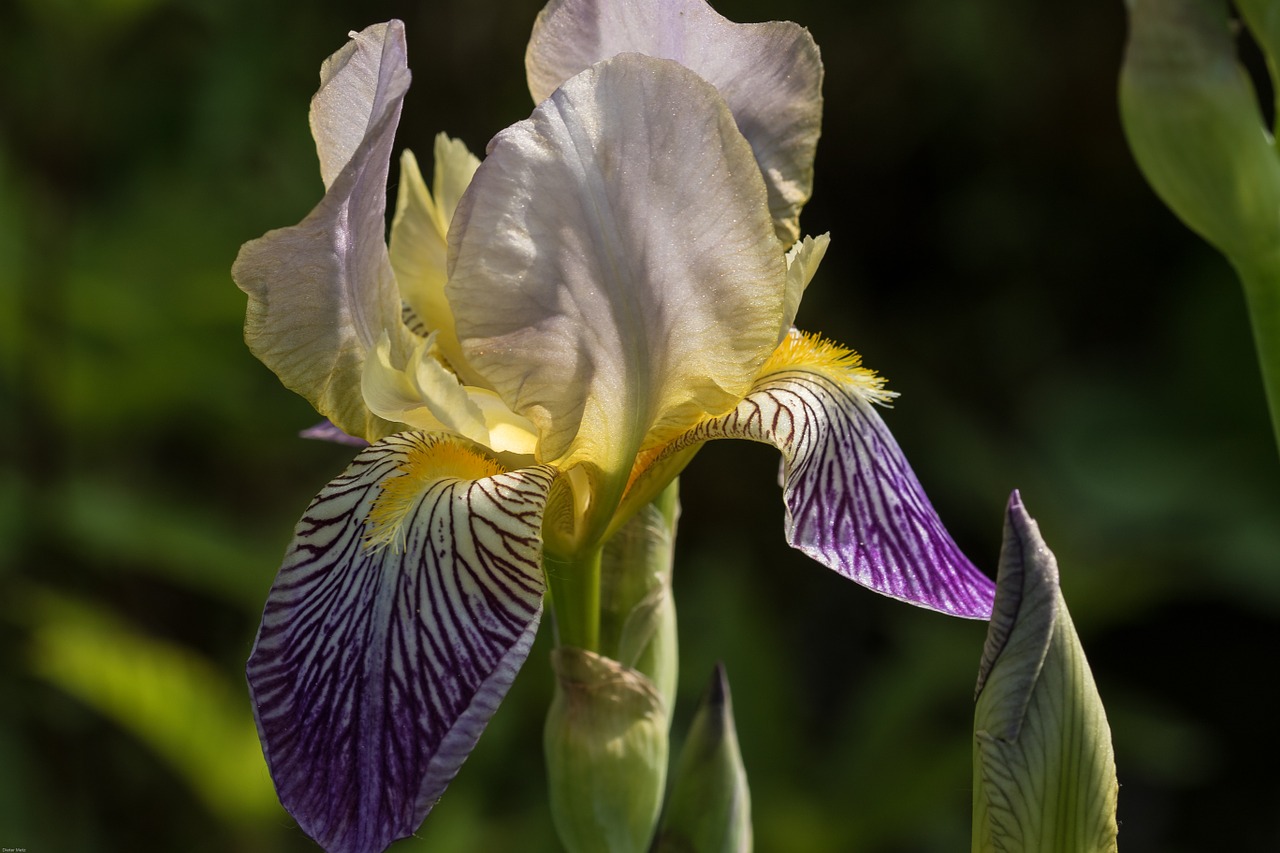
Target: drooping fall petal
column 322, row 292
column 770, row 74
column 405, row 606
column 607, row 289
column 853, row 502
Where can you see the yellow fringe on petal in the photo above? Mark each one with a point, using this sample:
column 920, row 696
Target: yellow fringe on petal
column 435, row 459
column 810, row 353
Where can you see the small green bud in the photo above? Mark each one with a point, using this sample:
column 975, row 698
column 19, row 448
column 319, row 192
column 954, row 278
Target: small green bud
column 1044, row 778
column 606, row 749
column 1195, row 126
column 709, row 808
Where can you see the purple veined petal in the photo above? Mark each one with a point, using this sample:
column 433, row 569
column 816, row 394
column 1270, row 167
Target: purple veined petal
column 406, row 604
column 326, row 431
column 852, row 501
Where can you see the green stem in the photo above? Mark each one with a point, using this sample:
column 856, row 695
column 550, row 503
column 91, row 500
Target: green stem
column 1262, row 294
column 574, row 584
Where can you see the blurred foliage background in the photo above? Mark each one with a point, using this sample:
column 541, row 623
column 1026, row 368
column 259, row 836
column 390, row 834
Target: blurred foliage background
column 995, row 254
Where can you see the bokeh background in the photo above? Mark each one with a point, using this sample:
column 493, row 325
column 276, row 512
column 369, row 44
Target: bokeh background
column 994, row 253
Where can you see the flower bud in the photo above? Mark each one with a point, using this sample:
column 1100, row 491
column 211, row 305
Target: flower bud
column 637, row 609
column 606, row 750
column 709, row 808
column 1195, row 126
column 1044, row 778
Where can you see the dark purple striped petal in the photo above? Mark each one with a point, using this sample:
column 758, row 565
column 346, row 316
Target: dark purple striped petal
column 853, row 503
column 405, row 606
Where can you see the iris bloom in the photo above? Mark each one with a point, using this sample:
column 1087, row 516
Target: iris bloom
column 549, row 338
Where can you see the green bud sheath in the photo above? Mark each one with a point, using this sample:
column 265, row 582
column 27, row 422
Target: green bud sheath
column 606, row 750
column 637, row 609
column 709, row 808
column 1044, row 778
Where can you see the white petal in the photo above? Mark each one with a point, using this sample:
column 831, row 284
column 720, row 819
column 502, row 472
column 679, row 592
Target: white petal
column 770, row 74
column 802, row 262
column 322, row 292
column 614, row 269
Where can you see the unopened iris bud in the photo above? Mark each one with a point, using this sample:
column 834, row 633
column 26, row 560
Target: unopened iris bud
column 1195, row 126
column 606, row 750
column 637, row 608
column 709, row 809
column 1044, row 778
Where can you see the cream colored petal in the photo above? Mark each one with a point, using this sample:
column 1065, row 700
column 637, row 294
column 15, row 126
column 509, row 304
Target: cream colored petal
column 614, row 272
column 418, row 240
column 770, row 74
column 322, row 293
column 391, row 392
column 455, row 166
column 424, row 394
column 444, row 395
column 802, row 263
column 508, row 432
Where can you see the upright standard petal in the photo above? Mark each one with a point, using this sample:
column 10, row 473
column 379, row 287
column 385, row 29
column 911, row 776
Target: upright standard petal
column 853, row 503
column 613, row 270
column 770, row 74
column 405, row 606
column 322, row 292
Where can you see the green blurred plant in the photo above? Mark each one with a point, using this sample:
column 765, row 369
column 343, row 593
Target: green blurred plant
column 1196, row 128
column 171, row 699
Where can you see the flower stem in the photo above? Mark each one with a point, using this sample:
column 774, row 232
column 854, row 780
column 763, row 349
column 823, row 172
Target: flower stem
column 574, row 584
column 1261, row 278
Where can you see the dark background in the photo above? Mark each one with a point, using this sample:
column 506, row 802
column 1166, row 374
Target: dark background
column 995, row 254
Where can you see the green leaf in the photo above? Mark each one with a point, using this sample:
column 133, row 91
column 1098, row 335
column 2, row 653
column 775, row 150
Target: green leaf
column 1195, row 126
column 168, row 697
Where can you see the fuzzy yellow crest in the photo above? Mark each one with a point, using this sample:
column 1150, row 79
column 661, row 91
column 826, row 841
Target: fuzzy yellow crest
column 425, row 465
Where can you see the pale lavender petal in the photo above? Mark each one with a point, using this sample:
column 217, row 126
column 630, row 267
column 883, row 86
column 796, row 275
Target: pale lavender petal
column 326, row 431
column 402, row 613
column 322, row 292
column 770, row 74
column 853, row 503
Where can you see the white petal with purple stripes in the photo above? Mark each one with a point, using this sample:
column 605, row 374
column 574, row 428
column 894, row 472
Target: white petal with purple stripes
column 406, row 604
column 853, row 503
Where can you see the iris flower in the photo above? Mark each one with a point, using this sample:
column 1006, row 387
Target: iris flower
column 544, row 345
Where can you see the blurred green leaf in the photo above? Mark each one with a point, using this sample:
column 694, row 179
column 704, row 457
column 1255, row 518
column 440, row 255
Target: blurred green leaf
column 168, row 697
column 178, row 542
